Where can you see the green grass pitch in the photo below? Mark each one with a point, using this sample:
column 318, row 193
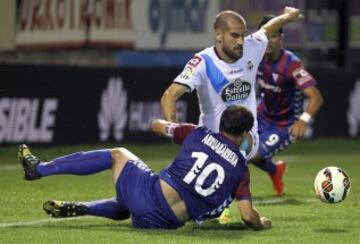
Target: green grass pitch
column 298, row 217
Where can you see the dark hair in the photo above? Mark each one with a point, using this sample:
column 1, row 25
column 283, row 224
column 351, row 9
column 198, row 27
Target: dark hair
column 266, row 19
column 235, row 120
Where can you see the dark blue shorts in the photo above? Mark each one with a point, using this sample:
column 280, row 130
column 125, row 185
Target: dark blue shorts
column 273, row 140
column 138, row 188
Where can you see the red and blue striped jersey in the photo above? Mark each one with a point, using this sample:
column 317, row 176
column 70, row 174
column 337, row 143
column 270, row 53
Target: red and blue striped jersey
column 281, row 89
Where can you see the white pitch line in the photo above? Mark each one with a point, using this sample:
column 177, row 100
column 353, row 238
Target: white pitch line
column 10, row 167
column 43, row 221
column 39, row 221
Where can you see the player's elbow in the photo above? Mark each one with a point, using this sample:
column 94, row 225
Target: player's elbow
column 318, row 100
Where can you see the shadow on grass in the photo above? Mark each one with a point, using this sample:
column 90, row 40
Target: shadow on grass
column 78, row 226
column 286, row 200
column 331, row 230
column 208, row 230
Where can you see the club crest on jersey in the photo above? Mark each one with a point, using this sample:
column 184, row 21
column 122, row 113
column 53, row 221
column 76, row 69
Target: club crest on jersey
column 249, row 65
column 236, row 90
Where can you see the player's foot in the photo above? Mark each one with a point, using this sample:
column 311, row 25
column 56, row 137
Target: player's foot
column 225, row 217
column 277, row 178
column 29, row 163
column 59, row 209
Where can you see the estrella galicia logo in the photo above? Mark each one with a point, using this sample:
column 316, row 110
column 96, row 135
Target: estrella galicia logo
column 113, row 115
column 237, row 90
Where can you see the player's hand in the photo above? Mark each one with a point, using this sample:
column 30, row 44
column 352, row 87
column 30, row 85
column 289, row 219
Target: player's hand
column 298, row 129
column 266, row 223
column 293, row 13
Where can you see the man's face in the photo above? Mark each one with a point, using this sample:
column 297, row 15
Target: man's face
column 274, row 44
column 233, row 40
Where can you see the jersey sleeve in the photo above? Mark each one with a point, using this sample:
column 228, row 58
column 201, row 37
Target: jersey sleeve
column 300, row 75
column 182, row 131
column 243, row 190
column 192, row 73
column 255, row 44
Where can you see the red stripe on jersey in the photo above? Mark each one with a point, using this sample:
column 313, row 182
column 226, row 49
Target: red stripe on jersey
column 282, row 64
column 182, row 131
column 283, row 101
column 243, row 190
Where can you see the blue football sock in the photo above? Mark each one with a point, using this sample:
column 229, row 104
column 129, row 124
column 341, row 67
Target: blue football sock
column 266, row 165
column 80, row 163
column 108, row 208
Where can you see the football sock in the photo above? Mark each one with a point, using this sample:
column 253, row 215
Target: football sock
column 266, row 165
column 108, row 208
column 80, row 163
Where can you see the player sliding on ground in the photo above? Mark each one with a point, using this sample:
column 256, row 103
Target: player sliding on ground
column 204, row 178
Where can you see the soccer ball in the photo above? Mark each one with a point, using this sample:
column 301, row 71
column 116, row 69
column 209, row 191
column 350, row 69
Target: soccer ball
column 332, row 184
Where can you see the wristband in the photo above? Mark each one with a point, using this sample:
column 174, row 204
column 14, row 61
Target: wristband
column 306, row 117
column 169, row 129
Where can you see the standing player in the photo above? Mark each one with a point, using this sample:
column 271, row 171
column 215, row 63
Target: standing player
column 206, row 175
column 225, row 74
column 283, row 81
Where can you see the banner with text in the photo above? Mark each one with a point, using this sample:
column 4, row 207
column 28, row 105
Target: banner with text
column 70, row 23
column 67, row 105
column 144, row 24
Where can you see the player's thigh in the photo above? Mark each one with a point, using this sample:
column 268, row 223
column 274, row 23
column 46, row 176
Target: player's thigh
column 274, row 140
column 120, row 156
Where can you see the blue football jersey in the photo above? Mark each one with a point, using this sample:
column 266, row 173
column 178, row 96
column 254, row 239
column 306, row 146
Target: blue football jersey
column 206, row 173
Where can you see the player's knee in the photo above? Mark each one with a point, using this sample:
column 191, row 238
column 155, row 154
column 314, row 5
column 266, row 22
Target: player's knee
column 117, row 153
column 122, row 155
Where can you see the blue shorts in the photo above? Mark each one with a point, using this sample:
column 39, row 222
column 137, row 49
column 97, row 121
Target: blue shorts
column 273, row 139
column 138, row 188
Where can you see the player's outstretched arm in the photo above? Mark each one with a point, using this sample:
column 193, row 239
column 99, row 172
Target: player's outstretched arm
column 251, row 217
column 168, row 100
column 315, row 100
column 290, row 14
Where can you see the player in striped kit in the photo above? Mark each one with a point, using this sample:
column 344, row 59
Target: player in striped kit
column 283, row 82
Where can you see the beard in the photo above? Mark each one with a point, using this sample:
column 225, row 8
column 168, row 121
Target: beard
column 233, row 54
